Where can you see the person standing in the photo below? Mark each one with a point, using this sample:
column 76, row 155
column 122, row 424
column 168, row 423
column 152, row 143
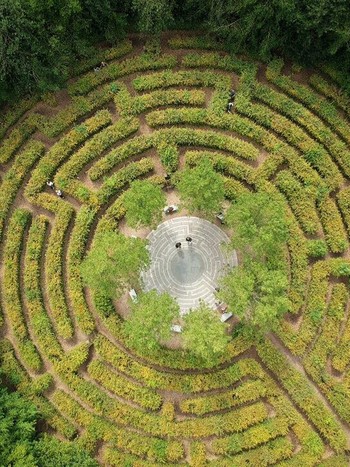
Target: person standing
column 178, row 245
column 189, row 240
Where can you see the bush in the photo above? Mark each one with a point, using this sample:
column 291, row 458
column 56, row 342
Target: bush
column 169, row 156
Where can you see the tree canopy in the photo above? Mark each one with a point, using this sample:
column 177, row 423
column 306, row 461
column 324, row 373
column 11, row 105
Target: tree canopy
column 302, row 29
column 154, row 16
column 20, row 444
column 204, row 334
column 256, row 294
column 143, row 204
column 114, row 263
column 257, row 289
column 150, row 320
column 201, row 188
column 260, row 228
column 40, row 41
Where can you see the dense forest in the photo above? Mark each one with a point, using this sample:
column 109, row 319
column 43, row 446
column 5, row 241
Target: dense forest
column 41, row 40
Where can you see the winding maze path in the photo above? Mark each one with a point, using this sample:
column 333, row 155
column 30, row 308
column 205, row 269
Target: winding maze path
column 282, row 401
column 191, row 273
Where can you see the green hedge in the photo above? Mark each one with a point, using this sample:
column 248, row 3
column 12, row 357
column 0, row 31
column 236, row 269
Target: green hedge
column 102, row 55
column 62, row 150
column 38, row 317
column 17, row 137
column 11, row 117
column 76, row 252
column 12, row 300
column 122, row 387
column 129, row 105
column 114, row 71
column 14, row 177
column 186, row 383
column 303, row 395
column 301, row 200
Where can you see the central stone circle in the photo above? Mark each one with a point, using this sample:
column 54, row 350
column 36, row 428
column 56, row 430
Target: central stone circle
column 187, row 265
column 189, row 273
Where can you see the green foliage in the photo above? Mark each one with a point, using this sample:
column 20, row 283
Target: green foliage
column 256, row 293
column 18, row 443
column 305, row 30
column 154, row 15
column 204, row 334
column 50, row 452
column 46, row 37
column 256, row 290
column 201, row 188
column 317, row 248
column 143, row 204
column 169, row 156
column 114, row 263
column 260, row 227
column 150, row 320
column 17, row 428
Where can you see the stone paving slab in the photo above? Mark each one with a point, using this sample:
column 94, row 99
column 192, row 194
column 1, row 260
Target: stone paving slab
column 192, row 272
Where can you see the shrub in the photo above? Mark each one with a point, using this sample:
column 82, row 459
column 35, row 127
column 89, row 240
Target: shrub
column 169, row 156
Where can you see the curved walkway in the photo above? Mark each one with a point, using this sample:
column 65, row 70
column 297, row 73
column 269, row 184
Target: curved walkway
column 189, row 273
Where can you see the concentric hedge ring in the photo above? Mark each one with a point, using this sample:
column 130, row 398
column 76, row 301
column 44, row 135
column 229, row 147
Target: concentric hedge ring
column 281, row 400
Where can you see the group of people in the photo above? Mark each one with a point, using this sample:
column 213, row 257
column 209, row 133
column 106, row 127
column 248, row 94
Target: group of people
column 188, row 240
column 231, row 101
column 98, row 68
column 51, row 184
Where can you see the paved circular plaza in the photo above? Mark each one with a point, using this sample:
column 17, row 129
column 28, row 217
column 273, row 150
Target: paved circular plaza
column 189, row 273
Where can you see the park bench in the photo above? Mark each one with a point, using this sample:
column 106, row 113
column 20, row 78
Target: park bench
column 170, row 209
column 225, row 316
column 133, row 295
column 221, row 217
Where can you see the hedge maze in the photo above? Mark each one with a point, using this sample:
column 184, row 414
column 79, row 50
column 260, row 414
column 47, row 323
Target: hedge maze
column 281, row 401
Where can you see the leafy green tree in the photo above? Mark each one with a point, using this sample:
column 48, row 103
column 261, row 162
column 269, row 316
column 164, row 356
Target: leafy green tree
column 302, row 29
column 204, row 334
column 40, row 41
column 51, row 452
column 256, row 294
column 19, row 445
column 17, row 429
column 154, row 16
column 114, row 263
column 143, row 203
column 201, row 188
column 260, row 227
column 257, row 289
column 150, row 321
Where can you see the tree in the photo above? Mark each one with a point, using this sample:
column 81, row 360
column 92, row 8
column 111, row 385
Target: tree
column 51, row 452
column 256, row 294
column 150, row 321
column 257, row 289
column 143, row 203
column 114, row 263
column 17, row 429
column 39, row 41
column 260, row 227
column 19, row 445
column 307, row 30
column 154, row 16
column 204, row 334
column 201, row 188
